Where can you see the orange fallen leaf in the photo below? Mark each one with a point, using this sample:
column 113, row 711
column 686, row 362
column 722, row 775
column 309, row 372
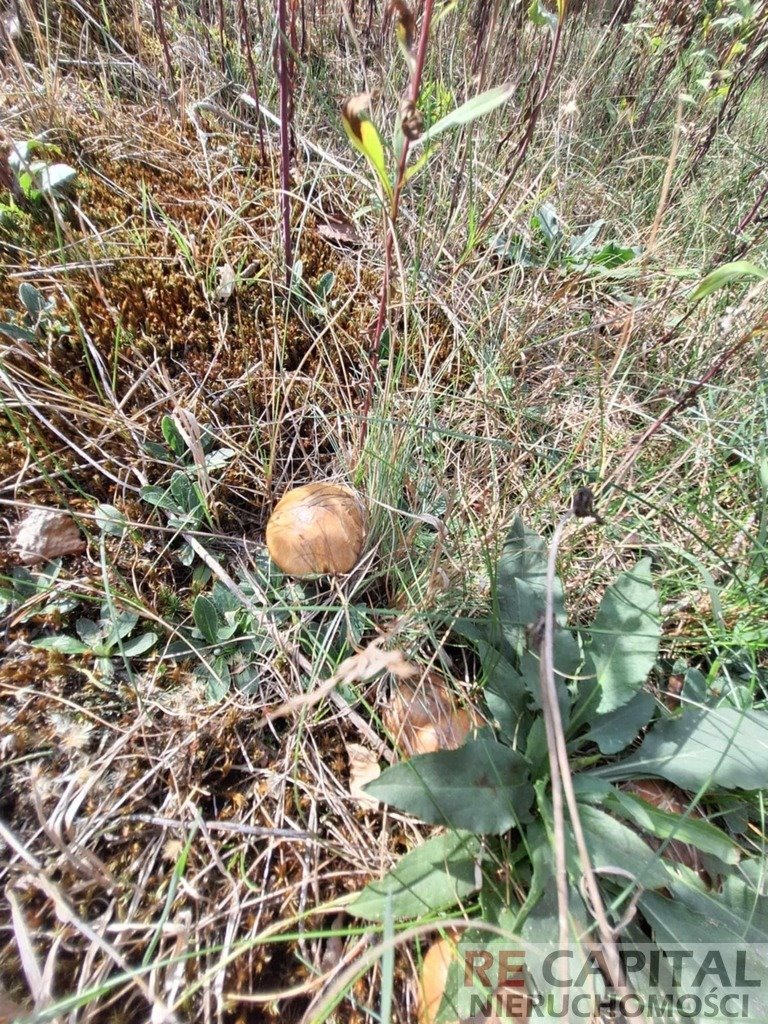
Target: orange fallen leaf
column 434, row 975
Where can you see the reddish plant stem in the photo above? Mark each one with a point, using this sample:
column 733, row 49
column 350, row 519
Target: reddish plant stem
column 252, row 74
column 390, row 220
column 285, row 87
column 157, row 8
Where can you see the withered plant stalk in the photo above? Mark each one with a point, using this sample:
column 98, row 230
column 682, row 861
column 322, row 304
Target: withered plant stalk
column 285, row 82
column 390, row 220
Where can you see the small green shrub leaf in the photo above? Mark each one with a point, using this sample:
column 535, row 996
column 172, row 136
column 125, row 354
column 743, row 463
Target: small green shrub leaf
column 110, row 520
column 206, row 618
column 725, row 275
column 625, row 637
column 62, row 644
column 478, row 106
column 139, row 645
column 482, row 787
column 430, row 878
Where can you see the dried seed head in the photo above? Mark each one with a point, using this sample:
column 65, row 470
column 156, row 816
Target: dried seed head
column 405, row 24
column 583, row 504
column 412, row 120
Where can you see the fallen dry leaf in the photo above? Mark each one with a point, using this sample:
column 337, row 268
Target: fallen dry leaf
column 510, row 1004
column 336, row 228
column 44, row 534
column 225, row 284
column 363, row 768
column 424, row 717
column 434, row 975
column 372, row 660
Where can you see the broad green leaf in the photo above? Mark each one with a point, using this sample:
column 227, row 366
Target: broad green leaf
column 478, row 106
column 90, row 632
column 625, row 637
column 696, row 921
column 16, row 333
column 612, row 255
column 33, row 300
column 123, row 624
column 702, row 748
column 482, row 787
column 548, row 223
column 613, row 844
column 172, row 436
column 505, row 691
column 616, row 730
column 521, row 583
column 582, row 242
column 139, row 645
column 365, row 138
column 62, row 644
column 159, row 497
column 436, row 875
column 725, row 275
column 110, row 520
column 667, row 825
column 206, row 618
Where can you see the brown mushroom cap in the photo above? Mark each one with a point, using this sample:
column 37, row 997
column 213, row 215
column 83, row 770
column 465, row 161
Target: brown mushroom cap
column 317, row 529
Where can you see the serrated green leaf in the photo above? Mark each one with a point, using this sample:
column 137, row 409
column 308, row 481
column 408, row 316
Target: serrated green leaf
column 482, row 787
column 625, row 637
column 478, row 106
column 206, row 618
column 725, row 275
column 437, row 874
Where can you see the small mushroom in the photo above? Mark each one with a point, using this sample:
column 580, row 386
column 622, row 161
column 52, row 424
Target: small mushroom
column 317, row 529
column 425, row 718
